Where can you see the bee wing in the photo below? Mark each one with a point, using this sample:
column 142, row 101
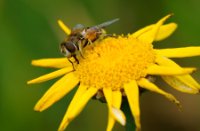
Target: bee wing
column 78, row 27
column 107, row 23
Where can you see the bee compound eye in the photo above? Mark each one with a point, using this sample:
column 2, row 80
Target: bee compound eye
column 71, row 47
column 64, row 50
column 68, row 48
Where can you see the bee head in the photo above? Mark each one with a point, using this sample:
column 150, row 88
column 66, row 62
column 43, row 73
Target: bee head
column 68, row 48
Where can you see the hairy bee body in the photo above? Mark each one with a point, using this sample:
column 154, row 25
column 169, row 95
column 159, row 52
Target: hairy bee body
column 80, row 37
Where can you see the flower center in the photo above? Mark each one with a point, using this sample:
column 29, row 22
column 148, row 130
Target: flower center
column 111, row 62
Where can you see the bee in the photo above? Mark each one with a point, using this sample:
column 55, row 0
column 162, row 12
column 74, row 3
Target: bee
column 80, row 37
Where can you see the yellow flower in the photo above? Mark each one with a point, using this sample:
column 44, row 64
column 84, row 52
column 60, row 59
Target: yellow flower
column 117, row 66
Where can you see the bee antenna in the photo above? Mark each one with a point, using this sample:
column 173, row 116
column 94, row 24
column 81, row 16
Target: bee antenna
column 103, row 25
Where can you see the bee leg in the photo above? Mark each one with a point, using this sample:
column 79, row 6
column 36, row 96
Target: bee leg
column 90, row 42
column 80, row 49
column 104, row 35
column 109, row 35
column 71, row 63
column 76, row 59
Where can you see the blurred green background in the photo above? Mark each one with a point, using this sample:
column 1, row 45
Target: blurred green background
column 29, row 30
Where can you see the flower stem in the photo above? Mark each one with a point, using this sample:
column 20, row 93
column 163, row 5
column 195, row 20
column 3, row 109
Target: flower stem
column 130, row 124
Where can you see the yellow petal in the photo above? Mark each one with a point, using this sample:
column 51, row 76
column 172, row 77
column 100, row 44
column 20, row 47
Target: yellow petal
column 149, row 36
column 51, row 75
column 189, row 81
column 82, row 102
column 164, row 31
column 52, row 62
column 117, row 99
column 117, row 113
column 57, row 91
column 119, row 116
column 144, row 83
column 163, row 61
column 181, row 82
column 111, row 122
column 132, row 93
column 108, row 95
column 142, row 31
column 167, row 70
column 81, row 90
column 116, row 102
column 179, row 52
column 64, row 27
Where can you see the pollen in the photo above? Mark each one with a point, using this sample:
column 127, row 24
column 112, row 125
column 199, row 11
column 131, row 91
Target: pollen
column 114, row 61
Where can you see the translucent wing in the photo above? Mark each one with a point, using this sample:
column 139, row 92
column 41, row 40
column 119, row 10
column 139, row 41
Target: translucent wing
column 103, row 25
